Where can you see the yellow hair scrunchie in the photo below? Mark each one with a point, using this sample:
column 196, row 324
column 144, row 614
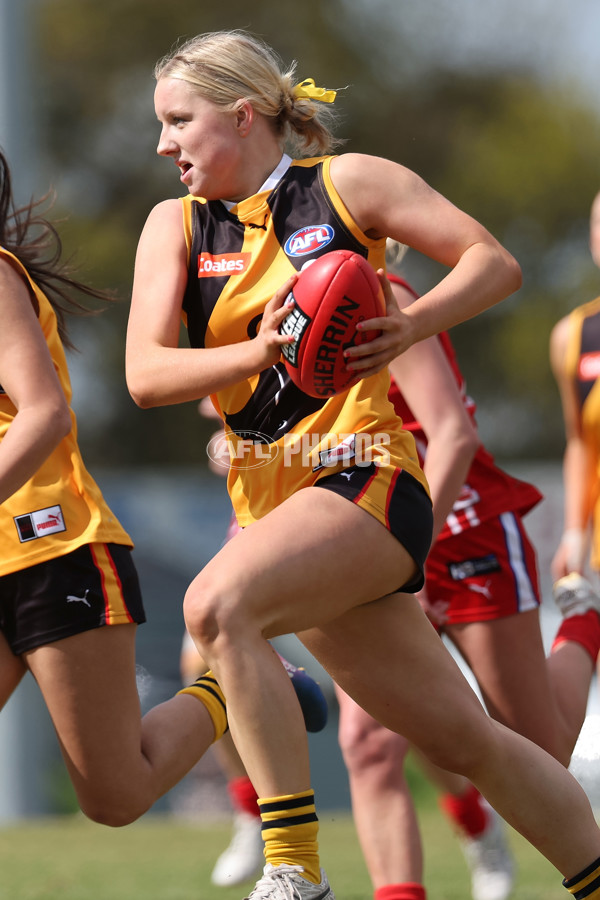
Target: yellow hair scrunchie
column 307, row 90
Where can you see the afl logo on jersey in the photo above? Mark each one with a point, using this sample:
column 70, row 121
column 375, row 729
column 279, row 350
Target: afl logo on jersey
column 589, row 366
column 308, row 240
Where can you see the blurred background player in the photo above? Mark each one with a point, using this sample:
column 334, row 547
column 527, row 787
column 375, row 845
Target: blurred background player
column 575, row 361
column 481, row 591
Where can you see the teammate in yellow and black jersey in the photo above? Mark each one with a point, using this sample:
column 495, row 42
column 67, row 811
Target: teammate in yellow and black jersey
column 316, row 561
column 60, row 507
column 575, row 361
column 575, row 351
column 66, row 572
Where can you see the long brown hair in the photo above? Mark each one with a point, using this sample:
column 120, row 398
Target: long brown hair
column 34, row 240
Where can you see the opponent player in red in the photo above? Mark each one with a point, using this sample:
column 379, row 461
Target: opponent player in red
column 481, row 590
column 333, row 554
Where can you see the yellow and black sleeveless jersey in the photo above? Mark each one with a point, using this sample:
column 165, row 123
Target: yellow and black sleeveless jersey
column 61, row 507
column 583, row 366
column 280, row 439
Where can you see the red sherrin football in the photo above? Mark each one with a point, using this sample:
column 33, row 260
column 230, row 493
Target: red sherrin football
column 332, row 294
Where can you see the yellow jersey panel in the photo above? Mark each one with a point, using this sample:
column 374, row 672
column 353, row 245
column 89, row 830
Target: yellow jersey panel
column 583, row 365
column 61, row 507
column 280, row 439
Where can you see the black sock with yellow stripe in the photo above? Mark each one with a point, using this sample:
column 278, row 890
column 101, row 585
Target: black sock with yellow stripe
column 207, row 690
column 586, row 885
column 289, row 830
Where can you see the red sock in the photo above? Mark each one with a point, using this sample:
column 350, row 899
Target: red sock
column 407, row 891
column 466, row 811
column 583, row 630
column 243, row 796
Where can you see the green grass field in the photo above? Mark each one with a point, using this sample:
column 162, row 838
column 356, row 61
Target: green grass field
column 162, row 858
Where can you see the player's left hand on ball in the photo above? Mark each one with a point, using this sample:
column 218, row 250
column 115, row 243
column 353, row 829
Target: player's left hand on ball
column 268, row 340
column 369, row 358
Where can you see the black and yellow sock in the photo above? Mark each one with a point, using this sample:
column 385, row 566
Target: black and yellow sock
column 207, row 690
column 586, row 885
column 289, row 830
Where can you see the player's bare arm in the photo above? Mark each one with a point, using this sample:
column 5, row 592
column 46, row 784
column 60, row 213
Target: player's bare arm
column 388, row 200
column 159, row 372
column 28, row 378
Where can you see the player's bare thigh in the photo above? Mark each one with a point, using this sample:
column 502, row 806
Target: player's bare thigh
column 389, row 659
column 311, row 559
column 89, row 686
column 119, row 764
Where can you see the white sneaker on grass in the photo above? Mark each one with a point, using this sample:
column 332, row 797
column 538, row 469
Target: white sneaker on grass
column 286, row 883
column 574, row 595
column 244, row 857
column 490, row 861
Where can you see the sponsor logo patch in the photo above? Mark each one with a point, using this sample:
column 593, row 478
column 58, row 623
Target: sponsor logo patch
column 308, row 240
column 468, row 568
column 40, row 523
column 218, row 264
column 342, row 452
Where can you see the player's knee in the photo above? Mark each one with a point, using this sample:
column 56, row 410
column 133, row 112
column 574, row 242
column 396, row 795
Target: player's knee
column 113, row 811
column 365, row 744
column 212, row 612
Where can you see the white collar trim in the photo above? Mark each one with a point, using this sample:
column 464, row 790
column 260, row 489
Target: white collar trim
column 275, row 176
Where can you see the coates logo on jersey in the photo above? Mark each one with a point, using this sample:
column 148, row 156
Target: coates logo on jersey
column 309, row 240
column 219, row 264
column 589, row 366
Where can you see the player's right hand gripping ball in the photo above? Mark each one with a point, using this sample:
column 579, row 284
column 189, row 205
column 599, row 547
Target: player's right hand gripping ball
column 331, row 295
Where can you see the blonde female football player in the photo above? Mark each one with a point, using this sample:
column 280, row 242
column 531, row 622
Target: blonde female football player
column 70, row 599
column 335, row 554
